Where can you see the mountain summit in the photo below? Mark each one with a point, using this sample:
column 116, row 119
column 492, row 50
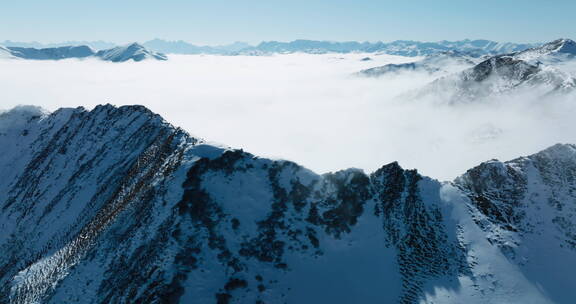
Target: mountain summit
column 557, row 49
column 134, row 51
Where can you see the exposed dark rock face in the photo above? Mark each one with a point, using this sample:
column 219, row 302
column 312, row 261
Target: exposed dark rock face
column 416, row 228
column 497, row 192
column 504, row 193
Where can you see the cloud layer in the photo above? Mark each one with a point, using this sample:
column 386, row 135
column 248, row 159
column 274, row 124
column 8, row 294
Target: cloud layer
column 306, row 108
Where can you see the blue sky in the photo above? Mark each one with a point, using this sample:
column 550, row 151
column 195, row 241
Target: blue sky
column 224, row 21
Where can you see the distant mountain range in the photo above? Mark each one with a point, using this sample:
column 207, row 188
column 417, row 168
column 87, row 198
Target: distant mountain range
column 445, row 56
column 182, row 47
column 134, row 52
column 400, row 47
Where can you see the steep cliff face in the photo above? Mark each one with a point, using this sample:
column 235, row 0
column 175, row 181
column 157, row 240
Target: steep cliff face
column 115, row 205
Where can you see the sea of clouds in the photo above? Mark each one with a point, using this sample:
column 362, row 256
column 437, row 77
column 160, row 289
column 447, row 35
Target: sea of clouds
column 310, row 109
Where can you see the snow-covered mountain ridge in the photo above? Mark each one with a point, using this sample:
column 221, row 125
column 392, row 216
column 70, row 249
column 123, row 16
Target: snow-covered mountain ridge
column 556, row 50
column 134, row 51
column 538, row 70
column 117, row 205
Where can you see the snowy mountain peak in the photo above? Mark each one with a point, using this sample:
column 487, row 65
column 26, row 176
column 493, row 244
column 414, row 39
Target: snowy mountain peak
column 560, row 152
column 133, row 51
column 503, row 66
column 561, row 46
column 135, row 47
column 559, row 49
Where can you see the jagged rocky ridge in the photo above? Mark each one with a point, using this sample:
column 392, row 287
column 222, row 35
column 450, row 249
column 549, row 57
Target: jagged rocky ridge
column 115, row 205
column 134, row 51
